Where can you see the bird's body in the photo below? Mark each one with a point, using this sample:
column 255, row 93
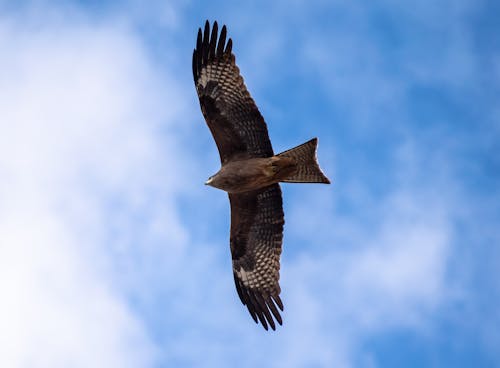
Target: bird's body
column 250, row 173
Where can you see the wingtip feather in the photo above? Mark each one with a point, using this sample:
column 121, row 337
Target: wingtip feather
column 213, row 42
column 229, row 47
column 222, row 41
column 277, row 300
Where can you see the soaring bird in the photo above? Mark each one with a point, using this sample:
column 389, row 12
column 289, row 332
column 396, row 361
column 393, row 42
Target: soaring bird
column 250, row 173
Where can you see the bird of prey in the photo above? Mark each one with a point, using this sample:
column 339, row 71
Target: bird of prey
column 250, row 173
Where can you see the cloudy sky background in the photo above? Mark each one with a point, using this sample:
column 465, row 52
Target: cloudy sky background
column 114, row 254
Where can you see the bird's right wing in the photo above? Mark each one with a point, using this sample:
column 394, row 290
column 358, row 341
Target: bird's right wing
column 230, row 112
column 256, row 236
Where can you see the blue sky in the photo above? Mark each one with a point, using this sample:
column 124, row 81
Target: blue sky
column 114, row 254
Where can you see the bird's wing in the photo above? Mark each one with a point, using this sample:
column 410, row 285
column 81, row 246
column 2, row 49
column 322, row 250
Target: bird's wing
column 236, row 124
column 256, row 235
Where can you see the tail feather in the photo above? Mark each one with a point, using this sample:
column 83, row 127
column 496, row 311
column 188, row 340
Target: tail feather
column 308, row 170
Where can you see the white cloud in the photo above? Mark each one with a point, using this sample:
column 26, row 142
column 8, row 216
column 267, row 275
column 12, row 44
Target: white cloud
column 56, row 311
column 81, row 144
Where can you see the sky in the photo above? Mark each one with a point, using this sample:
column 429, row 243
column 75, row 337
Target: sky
column 114, row 254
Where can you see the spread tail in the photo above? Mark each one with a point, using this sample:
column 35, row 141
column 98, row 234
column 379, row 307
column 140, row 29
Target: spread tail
column 308, row 170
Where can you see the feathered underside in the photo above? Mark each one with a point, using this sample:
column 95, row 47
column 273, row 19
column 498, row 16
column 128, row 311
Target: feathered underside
column 236, row 124
column 256, row 236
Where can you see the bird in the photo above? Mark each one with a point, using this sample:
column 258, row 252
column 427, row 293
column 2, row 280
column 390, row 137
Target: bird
column 250, row 173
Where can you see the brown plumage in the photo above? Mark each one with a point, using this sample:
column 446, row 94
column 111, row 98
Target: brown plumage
column 250, row 173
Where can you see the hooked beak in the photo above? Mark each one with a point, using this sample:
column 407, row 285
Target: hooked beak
column 209, row 181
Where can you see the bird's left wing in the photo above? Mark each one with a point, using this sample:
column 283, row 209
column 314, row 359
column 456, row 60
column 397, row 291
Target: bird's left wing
column 256, row 235
column 236, row 124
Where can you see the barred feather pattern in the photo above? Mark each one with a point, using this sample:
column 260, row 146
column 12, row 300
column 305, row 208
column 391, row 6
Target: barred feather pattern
column 230, row 112
column 256, row 237
column 307, row 167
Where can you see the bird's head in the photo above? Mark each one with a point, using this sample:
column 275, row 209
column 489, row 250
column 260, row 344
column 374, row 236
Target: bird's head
column 210, row 180
column 215, row 181
column 218, row 180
